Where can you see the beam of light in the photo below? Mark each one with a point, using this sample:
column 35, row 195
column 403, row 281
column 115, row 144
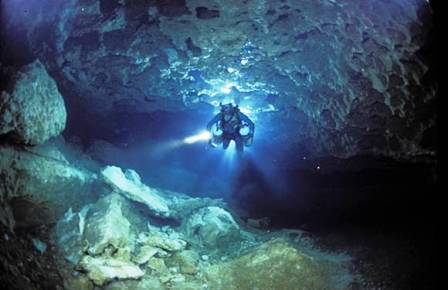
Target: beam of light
column 230, row 153
column 203, row 136
column 160, row 150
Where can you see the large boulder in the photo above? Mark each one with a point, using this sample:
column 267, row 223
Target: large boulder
column 128, row 183
column 33, row 110
column 160, row 203
column 106, row 226
column 278, row 265
column 95, row 228
column 213, row 227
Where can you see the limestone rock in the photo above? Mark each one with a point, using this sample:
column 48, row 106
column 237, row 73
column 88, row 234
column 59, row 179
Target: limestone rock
column 146, row 283
column 123, row 253
column 145, row 253
column 261, row 223
column 104, row 269
column 80, row 282
column 187, row 261
column 187, row 285
column 157, row 264
column 69, row 234
column 183, row 205
column 130, row 185
column 33, row 110
column 278, row 265
column 166, row 243
column 42, row 174
column 106, row 225
column 213, row 226
column 176, row 278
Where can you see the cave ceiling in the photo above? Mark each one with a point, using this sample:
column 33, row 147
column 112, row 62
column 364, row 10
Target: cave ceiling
column 341, row 78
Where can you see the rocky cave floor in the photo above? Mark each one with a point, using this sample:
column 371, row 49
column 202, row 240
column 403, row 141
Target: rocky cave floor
column 136, row 237
column 122, row 234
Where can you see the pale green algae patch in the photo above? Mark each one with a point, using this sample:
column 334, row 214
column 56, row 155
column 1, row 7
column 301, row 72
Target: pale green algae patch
column 278, row 265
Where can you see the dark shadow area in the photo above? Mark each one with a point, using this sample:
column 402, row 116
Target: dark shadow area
column 22, row 266
column 384, row 212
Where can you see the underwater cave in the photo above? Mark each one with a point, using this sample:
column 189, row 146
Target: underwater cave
column 220, row 144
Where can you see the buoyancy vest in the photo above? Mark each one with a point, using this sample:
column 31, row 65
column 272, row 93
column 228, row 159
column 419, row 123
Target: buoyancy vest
column 233, row 125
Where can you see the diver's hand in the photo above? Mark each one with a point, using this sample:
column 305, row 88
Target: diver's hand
column 211, row 144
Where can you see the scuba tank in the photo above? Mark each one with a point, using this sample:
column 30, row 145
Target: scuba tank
column 246, row 135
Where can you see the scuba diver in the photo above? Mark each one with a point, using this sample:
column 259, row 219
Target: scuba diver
column 230, row 124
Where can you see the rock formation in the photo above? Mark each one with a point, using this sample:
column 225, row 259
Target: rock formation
column 32, row 111
column 213, row 227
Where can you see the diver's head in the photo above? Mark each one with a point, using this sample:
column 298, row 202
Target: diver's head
column 226, row 107
column 228, row 110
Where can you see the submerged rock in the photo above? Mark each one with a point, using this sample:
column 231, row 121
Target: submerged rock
column 130, row 185
column 147, row 282
column 213, row 227
column 106, row 225
column 94, row 229
column 187, row 261
column 160, row 203
column 187, row 285
column 104, row 269
column 278, row 265
column 69, row 234
column 145, row 253
column 33, row 110
column 157, row 265
column 183, row 205
column 40, row 246
column 165, row 242
column 79, row 282
column 42, row 176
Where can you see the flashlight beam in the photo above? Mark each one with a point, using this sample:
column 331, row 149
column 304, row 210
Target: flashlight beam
column 203, row 136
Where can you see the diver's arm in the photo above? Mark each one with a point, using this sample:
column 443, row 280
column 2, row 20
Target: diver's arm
column 213, row 121
column 249, row 122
